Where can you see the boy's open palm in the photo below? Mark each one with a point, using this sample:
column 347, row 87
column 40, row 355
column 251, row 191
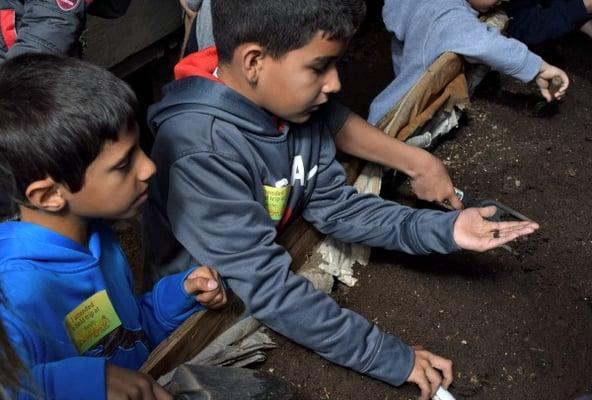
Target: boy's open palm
column 205, row 283
column 472, row 231
column 126, row 384
column 430, row 372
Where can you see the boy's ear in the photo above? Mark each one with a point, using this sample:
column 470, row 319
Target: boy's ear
column 46, row 195
column 251, row 60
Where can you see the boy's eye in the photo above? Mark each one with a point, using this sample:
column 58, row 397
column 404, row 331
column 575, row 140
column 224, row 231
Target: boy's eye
column 124, row 165
column 319, row 69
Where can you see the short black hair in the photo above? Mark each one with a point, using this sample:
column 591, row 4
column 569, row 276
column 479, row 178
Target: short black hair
column 282, row 25
column 56, row 114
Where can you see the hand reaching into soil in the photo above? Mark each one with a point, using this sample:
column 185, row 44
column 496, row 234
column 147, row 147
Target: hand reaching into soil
column 544, row 78
column 430, row 372
column 432, row 182
column 123, row 383
column 206, row 284
column 472, row 231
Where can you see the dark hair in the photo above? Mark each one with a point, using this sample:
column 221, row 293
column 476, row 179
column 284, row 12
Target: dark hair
column 56, row 113
column 282, row 25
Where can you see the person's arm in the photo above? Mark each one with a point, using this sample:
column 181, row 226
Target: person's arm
column 461, row 32
column 47, row 28
column 214, row 215
column 465, row 35
column 429, row 179
column 340, row 211
column 168, row 305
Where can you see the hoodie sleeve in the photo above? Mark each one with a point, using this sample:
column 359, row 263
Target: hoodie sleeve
column 49, row 28
column 167, row 306
column 72, row 378
column 340, row 211
column 461, row 32
column 214, row 216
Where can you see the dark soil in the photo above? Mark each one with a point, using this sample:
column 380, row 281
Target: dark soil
column 515, row 327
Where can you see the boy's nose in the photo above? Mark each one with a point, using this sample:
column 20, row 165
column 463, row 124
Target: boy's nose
column 333, row 84
column 147, row 167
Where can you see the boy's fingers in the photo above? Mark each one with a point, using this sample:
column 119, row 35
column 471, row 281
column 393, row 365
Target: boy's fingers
column 434, row 378
column 203, row 272
column 445, row 366
column 160, row 393
column 424, row 386
column 486, row 212
column 455, row 202
column 207, row 297
column 200, row 284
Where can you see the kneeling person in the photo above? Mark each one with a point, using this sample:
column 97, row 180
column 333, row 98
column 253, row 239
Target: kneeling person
column 245, row 142
column 70, row 140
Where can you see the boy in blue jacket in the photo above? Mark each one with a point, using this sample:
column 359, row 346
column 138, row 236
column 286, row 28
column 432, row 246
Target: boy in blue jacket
column 70, row 141
column 245, row 142
column 424, row 29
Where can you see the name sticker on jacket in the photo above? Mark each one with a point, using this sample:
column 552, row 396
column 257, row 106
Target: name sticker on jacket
column 276, row 199
column 91, row 321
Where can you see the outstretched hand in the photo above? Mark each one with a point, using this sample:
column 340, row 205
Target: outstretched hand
column 544, row 78
column 472, row 231
column 432, row 182
column 205, row 283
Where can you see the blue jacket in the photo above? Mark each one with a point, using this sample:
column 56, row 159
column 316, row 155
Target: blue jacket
column 224, row 167
column 45, row 276
column 424, row 29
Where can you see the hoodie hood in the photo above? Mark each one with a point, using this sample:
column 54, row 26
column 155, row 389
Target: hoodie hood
column 30, row 243
column 198, row 90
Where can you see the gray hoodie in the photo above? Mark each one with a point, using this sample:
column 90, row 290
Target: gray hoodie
column 424, row 29
column 215, row 200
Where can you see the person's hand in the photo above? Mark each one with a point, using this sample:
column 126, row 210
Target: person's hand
column 430, row 372
column 205, row 283
column 473, row 232
column 587, row 28
column 544, row 78
column 432, row 182
column 187, row 8
column 125, row 384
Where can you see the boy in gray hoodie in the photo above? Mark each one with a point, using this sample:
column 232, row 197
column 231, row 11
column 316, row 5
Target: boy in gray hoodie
column 245, row 142
column 424, row 29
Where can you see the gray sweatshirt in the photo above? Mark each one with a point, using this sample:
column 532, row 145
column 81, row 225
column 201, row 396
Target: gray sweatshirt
column 424, row 29
column 217, row 199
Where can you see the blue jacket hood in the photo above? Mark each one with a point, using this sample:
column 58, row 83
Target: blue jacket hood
column 24, row 241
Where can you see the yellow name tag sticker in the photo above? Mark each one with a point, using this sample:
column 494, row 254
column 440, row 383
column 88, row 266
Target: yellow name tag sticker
column 91, row 321
column 276, row 199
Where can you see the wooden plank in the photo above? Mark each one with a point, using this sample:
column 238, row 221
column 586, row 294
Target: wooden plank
column 107, row 42
column 191, row 337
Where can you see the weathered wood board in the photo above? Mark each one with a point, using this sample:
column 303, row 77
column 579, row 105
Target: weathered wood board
column 109, row 42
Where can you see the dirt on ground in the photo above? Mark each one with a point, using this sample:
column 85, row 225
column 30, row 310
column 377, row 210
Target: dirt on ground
column 516, row 327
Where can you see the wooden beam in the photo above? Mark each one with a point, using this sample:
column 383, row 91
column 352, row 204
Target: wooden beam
column 107, row 42
column 191, row 337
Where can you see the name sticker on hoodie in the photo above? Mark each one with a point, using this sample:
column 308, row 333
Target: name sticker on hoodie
column 276, row 198
column 91, row 321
